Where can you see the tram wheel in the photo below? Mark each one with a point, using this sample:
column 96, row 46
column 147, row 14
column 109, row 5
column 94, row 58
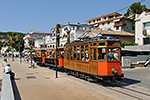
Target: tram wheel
column 77, row 74
column 86, row 78
column 68, row 72
column 53, row 68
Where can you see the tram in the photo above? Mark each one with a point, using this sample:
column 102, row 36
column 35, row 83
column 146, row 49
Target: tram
column 39, row 56
column 47, row 57
column 97, row 57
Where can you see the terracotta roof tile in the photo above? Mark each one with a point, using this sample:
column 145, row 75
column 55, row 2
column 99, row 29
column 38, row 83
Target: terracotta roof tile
column 108, row 32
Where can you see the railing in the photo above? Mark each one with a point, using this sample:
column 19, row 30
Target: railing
column 7, row 89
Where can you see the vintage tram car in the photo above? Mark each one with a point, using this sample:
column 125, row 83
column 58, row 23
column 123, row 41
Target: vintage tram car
column 47, row 57
column 97, row 57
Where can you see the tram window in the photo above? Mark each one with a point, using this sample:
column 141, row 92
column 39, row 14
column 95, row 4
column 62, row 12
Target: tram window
column 75, row 53
column 94, row 44
column 82, row 52
column 86, row 53
column 101, row 53
column 91, row 54
column 58, row 53
column 94, row 54
column 53, row 53
column 101, row 44
column 68, row 53
column 71, row 53
column 113, row 54
column 43, row 53
column 39, row 53
column 113, row 43
column 78, row 53
column 64, row 54
column 48, row 53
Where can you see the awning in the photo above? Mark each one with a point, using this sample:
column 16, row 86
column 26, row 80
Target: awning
column 96, row 25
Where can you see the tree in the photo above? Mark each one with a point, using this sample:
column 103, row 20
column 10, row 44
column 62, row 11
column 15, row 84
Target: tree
column 57, row 30
column 9, row 49
column 13, row 41
column 68, row 35
column 135, row 8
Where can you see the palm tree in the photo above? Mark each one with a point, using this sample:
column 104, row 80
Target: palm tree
column 13, row 40
column 56, row 29
column 31, row 43
column 68, row 34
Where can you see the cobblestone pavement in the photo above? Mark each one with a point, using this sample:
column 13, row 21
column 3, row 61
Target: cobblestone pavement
column 138, row 76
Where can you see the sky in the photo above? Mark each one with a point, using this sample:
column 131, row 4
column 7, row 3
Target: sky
column 42, row 15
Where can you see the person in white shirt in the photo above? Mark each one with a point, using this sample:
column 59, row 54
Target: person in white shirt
column 7, row 70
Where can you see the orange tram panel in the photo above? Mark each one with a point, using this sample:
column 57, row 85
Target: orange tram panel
column 105, row 68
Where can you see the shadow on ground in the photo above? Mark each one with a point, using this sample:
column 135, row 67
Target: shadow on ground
column 15, row 90
column 124, row 82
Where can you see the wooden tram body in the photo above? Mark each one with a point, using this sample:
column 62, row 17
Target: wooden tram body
column 90, row 58
column 48, row 57
column 39, row 56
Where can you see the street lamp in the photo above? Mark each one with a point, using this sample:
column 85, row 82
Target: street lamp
column 20, row 52
column 57, row 31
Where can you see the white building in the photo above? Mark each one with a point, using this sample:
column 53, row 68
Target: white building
column 38, row 37
column 113, row 21
column 142, row 28
column 75, row 31
column 3, row 50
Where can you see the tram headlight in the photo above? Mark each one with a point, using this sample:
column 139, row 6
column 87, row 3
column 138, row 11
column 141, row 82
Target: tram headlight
column 114, row 71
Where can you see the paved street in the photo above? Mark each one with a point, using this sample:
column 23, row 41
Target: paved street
column 138, row 76
column 40, row 84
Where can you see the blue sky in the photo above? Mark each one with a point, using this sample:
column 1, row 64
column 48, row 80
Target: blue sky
column 42, row 15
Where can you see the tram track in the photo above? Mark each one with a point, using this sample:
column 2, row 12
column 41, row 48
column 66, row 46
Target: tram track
column 127, row 90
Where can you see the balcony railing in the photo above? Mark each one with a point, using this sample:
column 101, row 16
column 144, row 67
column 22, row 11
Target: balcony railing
column 146, row 32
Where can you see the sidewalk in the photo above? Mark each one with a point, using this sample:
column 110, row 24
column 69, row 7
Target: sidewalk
column 40, row 84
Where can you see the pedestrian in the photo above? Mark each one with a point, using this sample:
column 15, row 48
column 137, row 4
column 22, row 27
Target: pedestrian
column 5, row 59
column 7, row 70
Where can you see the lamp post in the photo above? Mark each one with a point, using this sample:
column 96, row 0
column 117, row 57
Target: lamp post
column 20, row 52
column 57, row 31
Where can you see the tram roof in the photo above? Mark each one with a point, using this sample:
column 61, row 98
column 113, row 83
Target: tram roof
column 93, row 39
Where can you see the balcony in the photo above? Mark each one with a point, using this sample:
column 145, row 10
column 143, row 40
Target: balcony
column 120, row 23
column 146, row 32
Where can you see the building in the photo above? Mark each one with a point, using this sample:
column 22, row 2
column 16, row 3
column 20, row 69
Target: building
column 142, row 28
column 113, row 21
column 75, row 31
column 38, row 37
